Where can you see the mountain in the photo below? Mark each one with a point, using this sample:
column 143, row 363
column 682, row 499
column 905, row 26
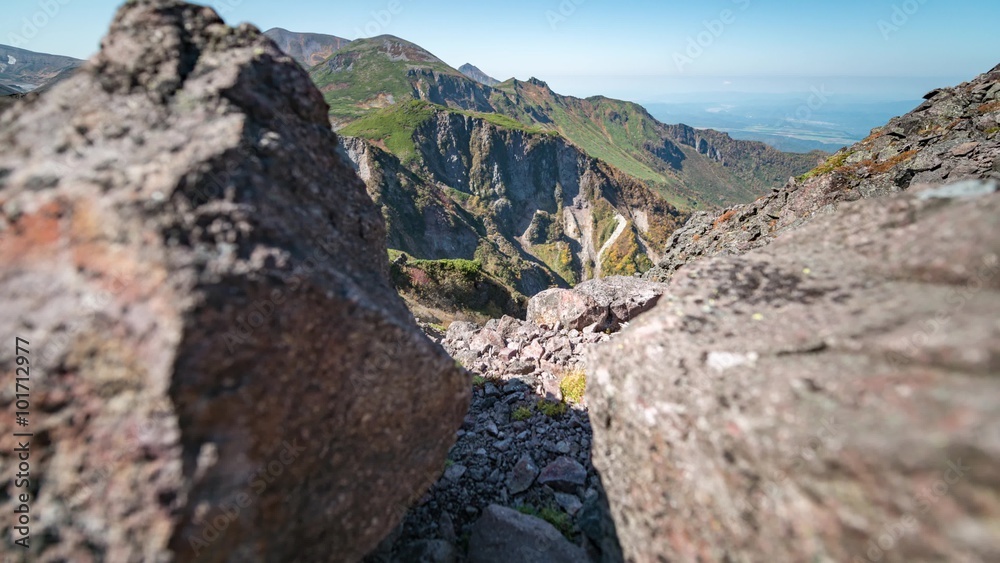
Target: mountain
column 690, row 168
column 381, row 71
column 530, row 207
column 308, row 49
column 951, row 136
column 479, row 76
column 27, row 70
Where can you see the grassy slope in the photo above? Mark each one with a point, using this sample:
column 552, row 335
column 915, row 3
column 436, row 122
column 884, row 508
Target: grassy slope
column 354, row 78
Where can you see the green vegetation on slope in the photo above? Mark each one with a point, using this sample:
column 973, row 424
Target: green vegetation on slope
column 624, row 257
column 393, row 127
column 372, row 73
column 454, row 286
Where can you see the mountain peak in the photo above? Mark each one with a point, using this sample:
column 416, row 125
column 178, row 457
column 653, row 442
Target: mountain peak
column 308, row 49
column 397, row 49
column 536, row 82
column 474, row 73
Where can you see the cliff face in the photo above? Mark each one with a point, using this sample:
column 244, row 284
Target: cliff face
column 533, row 208
column 951, row 136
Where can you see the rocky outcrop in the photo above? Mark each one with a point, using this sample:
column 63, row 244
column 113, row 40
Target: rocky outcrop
column 219, row 366
column 832, row 396
column 479, row 76
column 950, row 137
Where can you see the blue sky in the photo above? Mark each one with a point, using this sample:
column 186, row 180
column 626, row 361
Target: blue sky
column 640, row 49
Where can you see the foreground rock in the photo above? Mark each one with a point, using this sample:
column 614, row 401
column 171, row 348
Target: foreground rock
column 218, row 362
column 833, row 396
column 952, row 136
column 523, row 445
column 503, row 534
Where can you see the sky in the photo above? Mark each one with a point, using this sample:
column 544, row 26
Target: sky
column 644, row 50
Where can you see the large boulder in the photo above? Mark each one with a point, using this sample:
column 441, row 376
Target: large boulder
column 503, row 534
column 566, row 308
column 625, row 297
column 833, row 396
column 218, row 365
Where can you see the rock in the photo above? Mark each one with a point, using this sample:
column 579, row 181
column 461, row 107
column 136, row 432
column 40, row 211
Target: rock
column 566, row 307
column 455, row 472
column 460, row 330
column 523, row 475
column 625, row 297
column 427, row 551
column 520, row 367
column 564, row 474
column 594, row 520
column 568, row 502
column 503, row 534
column 854, row 385
column 216, row 350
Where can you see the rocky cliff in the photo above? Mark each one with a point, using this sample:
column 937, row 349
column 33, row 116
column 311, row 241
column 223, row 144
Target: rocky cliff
column 533, row 209
column 215, row 365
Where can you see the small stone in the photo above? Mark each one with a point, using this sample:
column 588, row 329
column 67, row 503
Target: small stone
column 563, row 447
column 568, row 502
column 564, row 474
column 523, row 475
column 491, row 427
column 454, row 473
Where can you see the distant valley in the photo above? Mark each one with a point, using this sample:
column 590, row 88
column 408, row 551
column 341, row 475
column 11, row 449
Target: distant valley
column 786, row 122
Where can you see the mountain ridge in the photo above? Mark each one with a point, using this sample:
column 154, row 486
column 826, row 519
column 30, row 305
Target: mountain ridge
column 714, row 170
column 29, row 70
column 308, row 49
